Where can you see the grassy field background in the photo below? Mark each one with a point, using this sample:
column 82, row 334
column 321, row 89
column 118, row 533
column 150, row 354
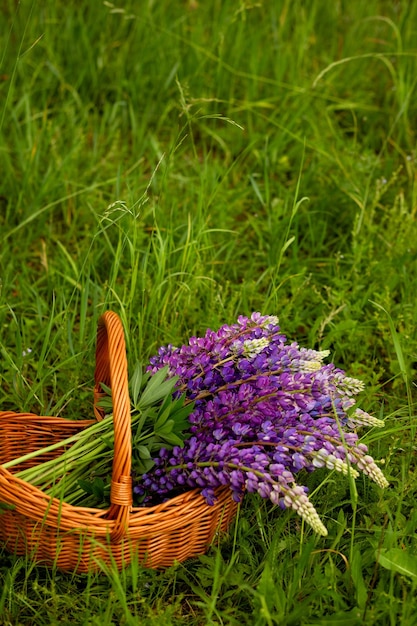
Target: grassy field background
column 183, row 163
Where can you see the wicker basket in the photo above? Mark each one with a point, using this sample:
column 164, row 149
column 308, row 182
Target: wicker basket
column 81, row 539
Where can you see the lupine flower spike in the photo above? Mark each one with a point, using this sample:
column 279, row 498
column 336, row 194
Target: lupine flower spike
column 264, row 410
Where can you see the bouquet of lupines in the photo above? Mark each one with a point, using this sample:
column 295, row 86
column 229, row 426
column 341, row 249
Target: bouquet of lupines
column 264, row 410
column 239, row 407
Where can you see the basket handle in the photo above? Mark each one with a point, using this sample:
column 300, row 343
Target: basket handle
column 111, row 369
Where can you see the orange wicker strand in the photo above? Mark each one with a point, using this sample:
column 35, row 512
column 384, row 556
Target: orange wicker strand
column 110, row 336
column 82, row 539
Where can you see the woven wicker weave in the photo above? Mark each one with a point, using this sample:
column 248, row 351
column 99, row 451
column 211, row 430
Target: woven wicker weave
column 81, row 539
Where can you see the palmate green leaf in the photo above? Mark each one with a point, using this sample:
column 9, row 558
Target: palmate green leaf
column 163, row 418
column 106, row 402
column 166, row 418
column 98, row 487
column 143, row 452
column 106, row 388
column 142, row 423
column 172, row 424
column 143, row 465
column 180, row 415
column 178, row 410
column 173, row 440
column 149, row 441
column 157, row 389
column 136, row 383
column 165, row 428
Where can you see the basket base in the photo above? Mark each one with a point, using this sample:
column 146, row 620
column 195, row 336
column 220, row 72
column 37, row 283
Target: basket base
column 80, row 551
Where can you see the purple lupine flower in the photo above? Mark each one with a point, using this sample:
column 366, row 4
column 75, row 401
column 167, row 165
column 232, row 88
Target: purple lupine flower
column 264, row 410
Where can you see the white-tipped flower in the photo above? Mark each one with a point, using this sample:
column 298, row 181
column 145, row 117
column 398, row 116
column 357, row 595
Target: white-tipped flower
column 308, row 354
column 252, row 347
column 371, row 469
column 322, row 458
column 361, row 418
column 269, row 319
column 308, row 366
column 310, row 360
column 349, row 386
column 297, row 499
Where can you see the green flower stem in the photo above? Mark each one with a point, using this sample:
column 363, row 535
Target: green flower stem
column 92, row 430
column 60, row 475
column 89, row 454
column 71, row 459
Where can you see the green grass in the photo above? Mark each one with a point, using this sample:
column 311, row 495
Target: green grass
column 183, row 163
